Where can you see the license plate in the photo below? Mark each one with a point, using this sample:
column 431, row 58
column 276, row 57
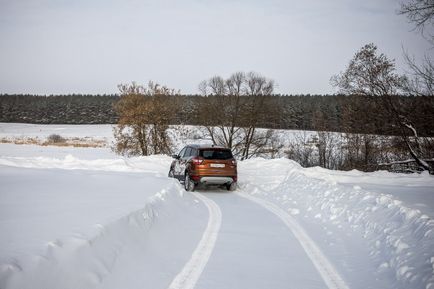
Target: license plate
column 217, row 165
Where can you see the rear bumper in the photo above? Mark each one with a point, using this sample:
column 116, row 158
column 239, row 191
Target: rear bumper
column 216, row 180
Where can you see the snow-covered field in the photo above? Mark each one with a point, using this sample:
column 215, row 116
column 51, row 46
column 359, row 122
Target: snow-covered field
column 86, row 218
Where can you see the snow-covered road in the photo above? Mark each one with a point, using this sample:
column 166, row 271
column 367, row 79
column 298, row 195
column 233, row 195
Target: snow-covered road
column 255, row 249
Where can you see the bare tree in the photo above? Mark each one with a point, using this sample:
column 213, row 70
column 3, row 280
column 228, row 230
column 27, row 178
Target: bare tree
column 360, row 151
column 420, row 13
column 327, row 143
column 420, row 80
column 144, row 116
column 329, row 147
column 233, row 108
column 369, row 74
column 221, row 108
column 421, row 76
column 373, row 75
column 258, row 89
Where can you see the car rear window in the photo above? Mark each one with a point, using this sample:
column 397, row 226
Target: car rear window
column 215, row 154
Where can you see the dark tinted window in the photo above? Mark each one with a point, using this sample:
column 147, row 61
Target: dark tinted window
column 187, row 152
column 215, row 154
column 181, row 153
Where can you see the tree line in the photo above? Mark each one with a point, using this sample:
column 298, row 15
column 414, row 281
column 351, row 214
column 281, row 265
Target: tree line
column 58, row 109
column 338, row 113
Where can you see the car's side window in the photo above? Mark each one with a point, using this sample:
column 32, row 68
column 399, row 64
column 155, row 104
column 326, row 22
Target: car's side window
column 187, row 153
column 181, row 153
column 193, row 152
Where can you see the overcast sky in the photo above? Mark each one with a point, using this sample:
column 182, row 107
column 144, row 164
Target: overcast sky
column 85, row 46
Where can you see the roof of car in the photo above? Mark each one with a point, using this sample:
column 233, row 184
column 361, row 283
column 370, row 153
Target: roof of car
column 207, row 146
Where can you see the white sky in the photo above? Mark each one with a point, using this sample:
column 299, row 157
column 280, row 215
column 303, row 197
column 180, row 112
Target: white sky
column 85, row 46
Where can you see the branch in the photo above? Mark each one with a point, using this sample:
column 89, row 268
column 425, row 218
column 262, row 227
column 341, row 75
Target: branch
column 404, row 162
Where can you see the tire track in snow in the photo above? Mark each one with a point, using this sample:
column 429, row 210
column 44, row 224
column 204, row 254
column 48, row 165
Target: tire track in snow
column 328, row 273
column 189, row 275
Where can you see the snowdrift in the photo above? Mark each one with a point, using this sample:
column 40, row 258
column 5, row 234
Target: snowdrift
column 74, row 223
column 400, row 240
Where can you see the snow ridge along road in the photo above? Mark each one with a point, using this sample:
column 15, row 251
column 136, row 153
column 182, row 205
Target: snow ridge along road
column 328, row 273
column 192, row 270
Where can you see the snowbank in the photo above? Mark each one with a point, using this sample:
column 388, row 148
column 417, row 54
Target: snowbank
column 400, row 239
column 377, row 178
column 73, row 223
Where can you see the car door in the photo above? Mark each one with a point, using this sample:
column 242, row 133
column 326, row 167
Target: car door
column 177, row 165
column 183, row 161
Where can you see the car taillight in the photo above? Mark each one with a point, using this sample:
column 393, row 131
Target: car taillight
column 197, row 161
column 195, row 178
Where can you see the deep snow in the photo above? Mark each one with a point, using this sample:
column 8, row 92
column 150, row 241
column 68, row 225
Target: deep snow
column 75, row 228
column 86, row 218
column 374, row 239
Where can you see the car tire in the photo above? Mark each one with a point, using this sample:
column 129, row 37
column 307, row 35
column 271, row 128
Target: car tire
column 188, row 183
column 231, row 187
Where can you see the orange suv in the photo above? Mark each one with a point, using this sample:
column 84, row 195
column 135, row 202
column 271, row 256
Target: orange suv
column 208, row 165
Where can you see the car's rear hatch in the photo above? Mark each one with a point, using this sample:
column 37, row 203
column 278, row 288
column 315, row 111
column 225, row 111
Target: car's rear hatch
column 216, row 162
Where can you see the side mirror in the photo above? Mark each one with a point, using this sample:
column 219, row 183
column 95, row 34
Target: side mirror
column 175, row 157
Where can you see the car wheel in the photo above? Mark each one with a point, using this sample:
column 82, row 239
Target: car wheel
column 232, row 186
column 171, row 174
column 188, row 183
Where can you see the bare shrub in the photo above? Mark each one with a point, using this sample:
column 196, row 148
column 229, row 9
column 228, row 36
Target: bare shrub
column 263, row 143
column 55, row 139
column 329, row 147
column 302, row 149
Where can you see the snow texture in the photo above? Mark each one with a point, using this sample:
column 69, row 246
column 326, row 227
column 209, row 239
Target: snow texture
column 86, row 218
column 399, row 239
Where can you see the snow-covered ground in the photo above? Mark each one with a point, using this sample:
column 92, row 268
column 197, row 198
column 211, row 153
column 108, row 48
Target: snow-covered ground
column 103, row 134
column 42, row 131
column 87, row 218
